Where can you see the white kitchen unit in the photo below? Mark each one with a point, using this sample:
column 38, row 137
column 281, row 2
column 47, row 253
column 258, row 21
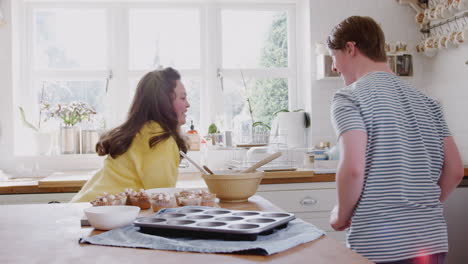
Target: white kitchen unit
column 456, row 215
column 311, row 202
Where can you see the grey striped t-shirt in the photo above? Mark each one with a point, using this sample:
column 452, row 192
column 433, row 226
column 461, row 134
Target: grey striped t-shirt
column 399, row 215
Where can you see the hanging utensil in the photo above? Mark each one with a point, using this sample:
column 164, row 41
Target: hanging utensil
column 262, row 162
column 193, row 162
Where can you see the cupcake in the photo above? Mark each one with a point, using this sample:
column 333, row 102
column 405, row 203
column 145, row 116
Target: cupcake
column 162, row 200
column 128, row 192
column 101, row 201
column 140, row 199
column 183, row 193
column 207, row 198
column 189, row 200
column 119, row 199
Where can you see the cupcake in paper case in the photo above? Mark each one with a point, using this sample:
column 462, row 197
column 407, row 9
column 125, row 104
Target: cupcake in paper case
column 190, row 200
column 208, row 199
column 119, row 199
column 183, row 193
column 109, row 199
column 101, row 200
column 162, row 200
column 128, row 192
column 140, row 199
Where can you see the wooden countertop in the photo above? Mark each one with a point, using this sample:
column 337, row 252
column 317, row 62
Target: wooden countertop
column 74, row 180
column 47, row 233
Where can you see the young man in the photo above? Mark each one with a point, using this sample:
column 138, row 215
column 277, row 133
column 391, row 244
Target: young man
column 398, row 159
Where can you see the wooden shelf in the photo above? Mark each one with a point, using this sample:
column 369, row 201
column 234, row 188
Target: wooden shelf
column 415, row 4
column 324, row 68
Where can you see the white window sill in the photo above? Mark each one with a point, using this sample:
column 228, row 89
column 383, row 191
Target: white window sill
column 39, row 166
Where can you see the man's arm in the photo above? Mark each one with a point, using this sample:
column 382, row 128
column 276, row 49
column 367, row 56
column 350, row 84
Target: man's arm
column 452, row 170
column 349, row 177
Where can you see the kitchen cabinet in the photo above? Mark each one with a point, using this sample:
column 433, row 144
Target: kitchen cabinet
column 456, row 215
column 311, row 202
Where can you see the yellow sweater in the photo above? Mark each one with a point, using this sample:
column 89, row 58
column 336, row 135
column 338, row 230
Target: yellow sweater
column 140, row 167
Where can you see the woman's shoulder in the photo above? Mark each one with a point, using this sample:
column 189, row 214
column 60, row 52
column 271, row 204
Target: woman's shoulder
column 151, row 128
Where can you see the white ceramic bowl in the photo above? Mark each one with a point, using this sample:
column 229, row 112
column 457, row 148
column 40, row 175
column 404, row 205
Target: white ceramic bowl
column 110, row 217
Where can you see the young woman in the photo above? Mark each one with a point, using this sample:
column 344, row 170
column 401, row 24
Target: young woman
column 143, row 152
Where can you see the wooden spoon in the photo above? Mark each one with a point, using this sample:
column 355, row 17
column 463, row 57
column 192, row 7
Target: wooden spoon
column 207, row 169
column 262, row 162
column 193, row 162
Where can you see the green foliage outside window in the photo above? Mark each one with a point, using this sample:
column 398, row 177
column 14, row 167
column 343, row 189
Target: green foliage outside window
column 267, row 96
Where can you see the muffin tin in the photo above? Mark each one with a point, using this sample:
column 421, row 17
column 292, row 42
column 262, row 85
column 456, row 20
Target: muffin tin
column 217, row 223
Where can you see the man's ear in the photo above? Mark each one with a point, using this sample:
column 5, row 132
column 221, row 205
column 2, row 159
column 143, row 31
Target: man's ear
column 351, row 48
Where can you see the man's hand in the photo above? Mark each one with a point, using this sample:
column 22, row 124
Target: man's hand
column 336, row 223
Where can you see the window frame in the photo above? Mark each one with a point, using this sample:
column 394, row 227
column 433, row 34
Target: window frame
column 118, row 62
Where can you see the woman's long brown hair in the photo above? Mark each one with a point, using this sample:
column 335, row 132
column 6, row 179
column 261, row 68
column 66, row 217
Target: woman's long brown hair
column 153, row 101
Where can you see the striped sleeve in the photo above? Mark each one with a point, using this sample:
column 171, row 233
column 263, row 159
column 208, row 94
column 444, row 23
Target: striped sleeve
column 345, row 113
column 440, row 120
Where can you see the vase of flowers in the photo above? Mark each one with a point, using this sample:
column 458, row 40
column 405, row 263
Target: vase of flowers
column 70, row 115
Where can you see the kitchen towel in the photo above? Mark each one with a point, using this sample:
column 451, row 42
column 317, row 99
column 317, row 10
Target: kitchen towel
column 297, row 232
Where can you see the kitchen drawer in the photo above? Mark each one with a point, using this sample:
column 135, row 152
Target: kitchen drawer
column 302, row 200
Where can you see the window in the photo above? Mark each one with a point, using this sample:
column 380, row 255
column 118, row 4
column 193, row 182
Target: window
column 256, row 84
column 228, row 55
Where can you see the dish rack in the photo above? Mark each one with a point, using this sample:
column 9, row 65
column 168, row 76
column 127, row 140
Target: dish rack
column 288, row 161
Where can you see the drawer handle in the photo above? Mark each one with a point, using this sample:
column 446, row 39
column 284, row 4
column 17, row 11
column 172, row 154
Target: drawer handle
column 308, row 201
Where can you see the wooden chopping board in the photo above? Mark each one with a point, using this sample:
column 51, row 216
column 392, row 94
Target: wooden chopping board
column 66, row 179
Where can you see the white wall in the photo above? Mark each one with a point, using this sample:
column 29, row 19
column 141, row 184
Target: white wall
column 447, row 80
column 6, row 98
column 398, row 24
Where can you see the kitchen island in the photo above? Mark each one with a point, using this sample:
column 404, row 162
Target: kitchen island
column 49, row 233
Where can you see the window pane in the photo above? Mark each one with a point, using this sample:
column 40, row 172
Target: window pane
column 266, row 96
column 69, row 39
column 164, row 37
column 193, row 88
column 65, row 92
column 260, row 36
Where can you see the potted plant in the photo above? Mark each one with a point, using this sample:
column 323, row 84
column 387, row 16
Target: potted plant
column 214, row 135
column 70, row 115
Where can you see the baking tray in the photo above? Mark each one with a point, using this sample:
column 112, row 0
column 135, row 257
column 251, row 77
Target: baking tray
column 218, row 223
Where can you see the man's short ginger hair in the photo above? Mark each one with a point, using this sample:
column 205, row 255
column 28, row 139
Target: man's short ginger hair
column 364, row 32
